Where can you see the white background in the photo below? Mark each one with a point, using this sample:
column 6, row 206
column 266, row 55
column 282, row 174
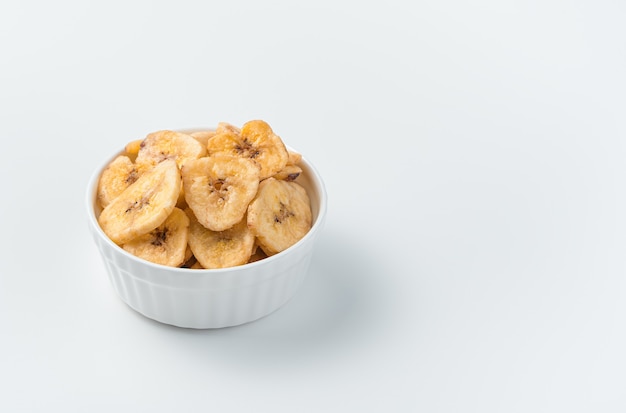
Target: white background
column 474, row 157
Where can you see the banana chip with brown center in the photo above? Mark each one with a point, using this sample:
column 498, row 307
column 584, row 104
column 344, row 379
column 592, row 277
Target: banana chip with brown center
column 166, row 244
column 218, row 189
column 279, row 215
column 256, row 141
column 220, row 249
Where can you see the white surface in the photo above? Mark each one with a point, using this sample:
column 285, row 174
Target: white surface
column 473, row 257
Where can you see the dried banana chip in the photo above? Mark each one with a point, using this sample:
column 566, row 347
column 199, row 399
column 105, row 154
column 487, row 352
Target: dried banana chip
column 279, row 215
column 142, row 206
column 219, row 188
column 220, row 249
column 256, row 141
column 166, row 244
column 167, row 144
column 116, row 177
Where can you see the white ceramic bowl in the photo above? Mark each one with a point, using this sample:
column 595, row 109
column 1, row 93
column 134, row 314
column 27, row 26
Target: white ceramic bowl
column 209, row 298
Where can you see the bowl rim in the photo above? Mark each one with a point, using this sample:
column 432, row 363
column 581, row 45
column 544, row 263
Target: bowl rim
column 315, row 180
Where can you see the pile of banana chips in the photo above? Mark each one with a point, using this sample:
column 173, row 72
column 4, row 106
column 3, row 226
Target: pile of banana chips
column 208, row 199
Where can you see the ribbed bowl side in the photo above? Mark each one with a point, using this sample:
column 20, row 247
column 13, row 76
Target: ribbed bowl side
column 231, row 304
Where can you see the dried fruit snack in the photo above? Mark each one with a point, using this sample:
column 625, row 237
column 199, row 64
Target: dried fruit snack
column 219, row 188
column 208, row 199
column 280, row 215
column 220, row 249
column 167, row 144
column 144, row 205
column 118, row 175
column 256, row 141
column 166, row 244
